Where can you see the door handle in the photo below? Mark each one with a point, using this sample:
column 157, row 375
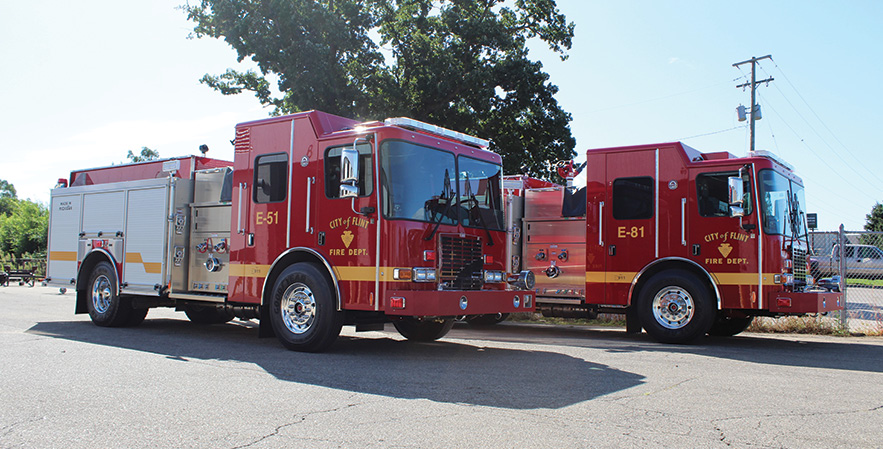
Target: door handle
column 611, row 251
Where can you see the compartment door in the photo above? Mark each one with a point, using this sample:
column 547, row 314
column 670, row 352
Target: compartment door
column 631, row 220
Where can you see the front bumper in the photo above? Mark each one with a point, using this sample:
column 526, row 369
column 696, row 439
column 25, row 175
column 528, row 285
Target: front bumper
column 457, row 302
column 801, row 303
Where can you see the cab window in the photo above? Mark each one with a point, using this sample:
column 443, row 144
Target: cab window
column 270, row 178
column 633, row 198
column 712, row 192
column 332, row 170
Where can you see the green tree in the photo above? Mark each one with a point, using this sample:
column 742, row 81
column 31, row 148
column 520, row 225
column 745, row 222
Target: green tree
column 462, row 64
column 7, row 198
column 874, row 220
column 146, row 155
column 25, row 231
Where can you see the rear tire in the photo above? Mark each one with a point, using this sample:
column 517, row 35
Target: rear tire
column 200, row 314
column 423, row 330
column 675, row 307
column 106, row 308
column 486, row 320
column 725, row 326
column 303, row 311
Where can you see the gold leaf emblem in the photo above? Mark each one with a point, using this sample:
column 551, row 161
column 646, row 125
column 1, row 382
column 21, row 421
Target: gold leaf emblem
column 347, row 238
column 725, row 249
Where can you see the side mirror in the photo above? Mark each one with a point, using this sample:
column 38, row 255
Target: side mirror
column 736, row 193
column 349, row 173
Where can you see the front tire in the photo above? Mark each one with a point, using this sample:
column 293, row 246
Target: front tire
column 303, row 311
column 106, row 308
column 726, row 326
column 676, row 307
column 423, row 330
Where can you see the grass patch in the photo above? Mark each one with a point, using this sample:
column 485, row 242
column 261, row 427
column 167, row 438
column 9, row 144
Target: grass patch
column 816, row 325
column 864, row 282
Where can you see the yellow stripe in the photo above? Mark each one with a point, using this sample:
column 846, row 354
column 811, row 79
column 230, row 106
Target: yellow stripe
column 149, row 267
column 741, row 278
column 365, row 274
column 625, row 277
column 610, row 277
column 343, row 273
column 63, row 256
column 249, row 270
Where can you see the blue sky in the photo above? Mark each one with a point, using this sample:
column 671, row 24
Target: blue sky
column 84, row 82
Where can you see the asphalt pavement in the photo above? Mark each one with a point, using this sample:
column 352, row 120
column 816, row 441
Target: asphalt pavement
column 65, row 383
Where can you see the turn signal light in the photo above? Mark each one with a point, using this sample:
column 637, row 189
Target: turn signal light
column 783, row 302
column 428, row 255
column 401, row 274
column 397, row 302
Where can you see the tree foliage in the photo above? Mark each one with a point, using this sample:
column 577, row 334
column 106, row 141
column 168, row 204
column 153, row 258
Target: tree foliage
column 461, row 64
column 7, row 197
column 146, row 155
column 874, row 220
column 24, row 224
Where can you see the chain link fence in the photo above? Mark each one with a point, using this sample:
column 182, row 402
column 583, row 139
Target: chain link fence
column 853, row 262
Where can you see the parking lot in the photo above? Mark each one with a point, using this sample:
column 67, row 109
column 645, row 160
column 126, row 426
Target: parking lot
column 170, row 383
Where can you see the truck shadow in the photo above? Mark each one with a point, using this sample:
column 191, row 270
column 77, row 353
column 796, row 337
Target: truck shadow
column 440, row 371
column 849, row 354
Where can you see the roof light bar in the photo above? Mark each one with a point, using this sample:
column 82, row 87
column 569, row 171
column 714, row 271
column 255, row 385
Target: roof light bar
column 405, row 122
column 773, row 156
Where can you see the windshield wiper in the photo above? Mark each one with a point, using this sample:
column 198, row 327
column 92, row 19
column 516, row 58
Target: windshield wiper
column 448, row 195
column 477, row 209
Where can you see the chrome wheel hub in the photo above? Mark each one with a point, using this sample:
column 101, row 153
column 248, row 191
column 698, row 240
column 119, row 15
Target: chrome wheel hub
column 101, row 294
column 298, row 308
column 673, row 307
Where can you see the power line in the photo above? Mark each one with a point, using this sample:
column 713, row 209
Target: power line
column 819, row 119
column 803, row 141
column 712, row 133
column 835, row 153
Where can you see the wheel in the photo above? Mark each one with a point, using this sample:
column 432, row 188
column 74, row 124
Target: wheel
column 106, row 308
column 423, row 330
column 207, row 314
column 62, row 291
column 136, row 317
column 486, row 320
column 675, row 307
column 726, row 326
column 303, row 311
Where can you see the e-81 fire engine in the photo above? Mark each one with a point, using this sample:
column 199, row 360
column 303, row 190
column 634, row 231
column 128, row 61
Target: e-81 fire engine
column 684, row 243
column 318, row 222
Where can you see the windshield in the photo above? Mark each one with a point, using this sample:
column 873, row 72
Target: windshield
column 480, row 193
column 423, row 184
column 783, row 203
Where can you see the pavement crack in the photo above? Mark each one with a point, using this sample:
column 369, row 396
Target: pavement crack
column 298, row 420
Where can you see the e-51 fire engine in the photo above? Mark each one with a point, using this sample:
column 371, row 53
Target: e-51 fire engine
column 684, row 243
column 318, row 222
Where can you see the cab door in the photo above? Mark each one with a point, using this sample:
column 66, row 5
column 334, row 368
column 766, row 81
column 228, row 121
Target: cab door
column 631, row 220
column 597, row 203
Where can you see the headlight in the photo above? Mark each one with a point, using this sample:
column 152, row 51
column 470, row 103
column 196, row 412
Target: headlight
column 493, row 277
column 424, row 275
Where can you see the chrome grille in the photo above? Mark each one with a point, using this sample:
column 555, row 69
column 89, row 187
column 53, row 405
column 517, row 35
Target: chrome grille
column 460, row 262
column 798, row 257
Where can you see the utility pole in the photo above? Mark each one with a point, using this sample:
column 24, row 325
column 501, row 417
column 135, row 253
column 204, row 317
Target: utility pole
column 753, row 84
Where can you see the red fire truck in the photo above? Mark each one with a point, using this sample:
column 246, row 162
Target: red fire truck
column 684, row 243
column 318, row 222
